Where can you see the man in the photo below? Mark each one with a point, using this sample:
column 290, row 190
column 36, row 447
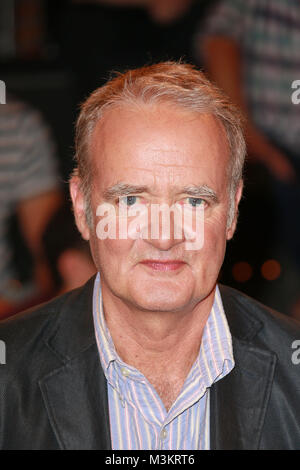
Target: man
column 152, row 354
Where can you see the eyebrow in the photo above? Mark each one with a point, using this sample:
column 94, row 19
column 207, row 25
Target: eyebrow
column 201, row 191
column 124, row 189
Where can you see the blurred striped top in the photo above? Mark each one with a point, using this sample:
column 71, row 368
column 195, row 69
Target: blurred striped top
column 268, row 34
column 138, row 418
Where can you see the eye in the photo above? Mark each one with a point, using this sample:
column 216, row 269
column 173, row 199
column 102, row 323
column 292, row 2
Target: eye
column 128, row 200
column 195, row 201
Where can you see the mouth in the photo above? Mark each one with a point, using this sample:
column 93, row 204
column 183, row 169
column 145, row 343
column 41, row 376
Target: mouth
column 161, row 265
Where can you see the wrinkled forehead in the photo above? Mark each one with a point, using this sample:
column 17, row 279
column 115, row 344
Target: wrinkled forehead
column 158, row 144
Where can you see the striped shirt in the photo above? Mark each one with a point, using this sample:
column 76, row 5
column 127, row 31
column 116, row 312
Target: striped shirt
column 268, row 33
column 138, row 418
column 27, row 169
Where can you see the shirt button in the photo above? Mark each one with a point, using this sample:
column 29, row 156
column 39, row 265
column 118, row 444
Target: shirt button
column 125, row 372
column 122, row 401
column 163, row 433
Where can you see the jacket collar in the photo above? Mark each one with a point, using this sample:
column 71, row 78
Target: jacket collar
column 239, row 401
column 76, row 318
column 75, row 394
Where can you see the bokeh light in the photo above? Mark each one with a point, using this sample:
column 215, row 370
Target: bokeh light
column 242, row 271
column 271, row 270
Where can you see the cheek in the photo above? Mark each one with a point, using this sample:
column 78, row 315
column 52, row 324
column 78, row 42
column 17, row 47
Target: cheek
column 215, row 235
column 211, row 255
column 110, row 255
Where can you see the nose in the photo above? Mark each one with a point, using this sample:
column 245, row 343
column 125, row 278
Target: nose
column 163, row 245
column 165, row 230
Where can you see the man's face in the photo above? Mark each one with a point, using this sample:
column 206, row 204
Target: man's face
column 161, row 151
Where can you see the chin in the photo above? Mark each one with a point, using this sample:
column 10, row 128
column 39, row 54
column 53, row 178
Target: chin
column 160, row 299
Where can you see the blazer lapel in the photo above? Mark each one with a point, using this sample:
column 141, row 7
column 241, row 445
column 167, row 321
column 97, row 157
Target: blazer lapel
column 75, row 397
column 75, row 394
column 239, row 400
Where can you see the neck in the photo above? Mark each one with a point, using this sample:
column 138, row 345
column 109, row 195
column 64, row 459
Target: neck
column 158, row 344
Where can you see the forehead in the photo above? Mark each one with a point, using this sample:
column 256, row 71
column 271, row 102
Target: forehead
column 158, row 144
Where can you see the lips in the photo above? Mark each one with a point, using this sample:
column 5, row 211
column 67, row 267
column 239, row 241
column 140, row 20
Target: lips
column 160, row 265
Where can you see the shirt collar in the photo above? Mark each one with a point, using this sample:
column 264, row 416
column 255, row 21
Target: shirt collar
column 104, row 340
column 215, row 358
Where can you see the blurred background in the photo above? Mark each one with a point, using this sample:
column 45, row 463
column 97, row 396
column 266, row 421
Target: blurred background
column 53, row 53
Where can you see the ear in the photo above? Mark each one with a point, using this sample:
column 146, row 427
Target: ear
column 79, row 207
column 238, row 195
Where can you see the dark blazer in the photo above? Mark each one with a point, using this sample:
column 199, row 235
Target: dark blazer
column 53, row 392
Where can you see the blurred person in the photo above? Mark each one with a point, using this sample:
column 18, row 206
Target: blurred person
column 153, row 353
column 251, row 50
column 30, row 189
column 68, row 255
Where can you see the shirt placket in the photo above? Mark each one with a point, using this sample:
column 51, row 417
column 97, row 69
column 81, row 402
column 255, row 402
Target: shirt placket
column 140, row 392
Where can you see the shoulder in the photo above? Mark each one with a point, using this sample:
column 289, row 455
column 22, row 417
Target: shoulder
column 24, row 337
column 256, row 327
column 259, row 325
column 27, row 335
column 239, row 298
column 35, row 321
